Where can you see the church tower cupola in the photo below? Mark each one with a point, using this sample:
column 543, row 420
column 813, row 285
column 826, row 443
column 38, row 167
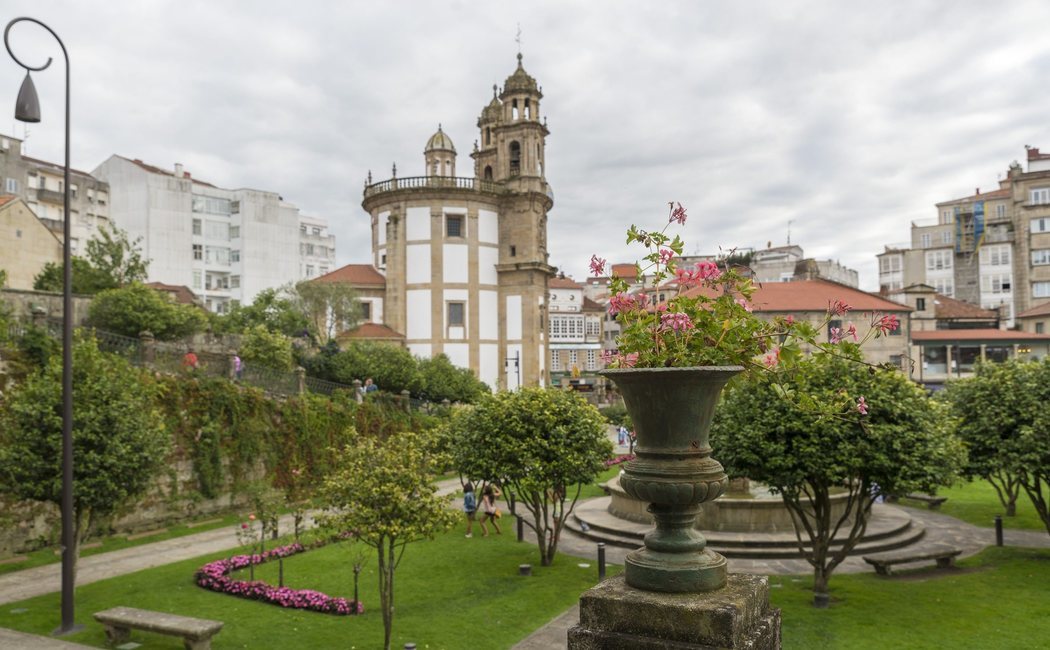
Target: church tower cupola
column 440, row 155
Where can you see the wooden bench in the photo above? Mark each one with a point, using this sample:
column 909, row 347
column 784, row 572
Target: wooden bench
column 932, row 502
column 196, row 633
column 945, row 556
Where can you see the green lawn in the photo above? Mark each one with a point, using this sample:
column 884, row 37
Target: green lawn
column 977, row 503
column 999, row 600
column 445, row 589
column 116, row 542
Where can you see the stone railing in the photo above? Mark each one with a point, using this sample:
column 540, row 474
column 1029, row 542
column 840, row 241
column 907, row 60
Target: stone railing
column 430, row 183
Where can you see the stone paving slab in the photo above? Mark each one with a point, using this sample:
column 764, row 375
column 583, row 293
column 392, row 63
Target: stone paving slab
column 12, row 640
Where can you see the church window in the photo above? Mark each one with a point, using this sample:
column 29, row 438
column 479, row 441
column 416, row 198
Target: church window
column 488, row 135
column 514, row 110
column 453, row 226
column 513, row 251
column 488, row 172
column 515, row 158
column 455, row 314
column 528, row 110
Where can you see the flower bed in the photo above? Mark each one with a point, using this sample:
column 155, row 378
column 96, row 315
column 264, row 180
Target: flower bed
column 216, row 577
column 622, row 458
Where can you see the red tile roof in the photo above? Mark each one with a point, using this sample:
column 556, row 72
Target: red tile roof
column 945, row 307
column 974, row 335
column 1038, row 310
column 166, row 172
column 181, row 293
column 57, row 167
column 371, row 331
column 994, row 194
column 624, row 271
column 362, row 275
column 816, row 295
column 564, row 283
column 7, row 198
column 590, row 305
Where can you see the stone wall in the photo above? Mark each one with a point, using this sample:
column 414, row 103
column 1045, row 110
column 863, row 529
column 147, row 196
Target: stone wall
column 23, row 302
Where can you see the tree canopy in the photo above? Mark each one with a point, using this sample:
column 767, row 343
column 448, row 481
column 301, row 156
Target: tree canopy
column 111, row 260
column 273, row 309
column 901, row 445
column 541, row 444
column 329, row 307
column 136, row 308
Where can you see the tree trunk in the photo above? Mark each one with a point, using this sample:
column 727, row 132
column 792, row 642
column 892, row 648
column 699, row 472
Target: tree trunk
column 386, row 588
column 820, row 587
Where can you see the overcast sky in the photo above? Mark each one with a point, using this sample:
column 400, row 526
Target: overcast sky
column 849, row 122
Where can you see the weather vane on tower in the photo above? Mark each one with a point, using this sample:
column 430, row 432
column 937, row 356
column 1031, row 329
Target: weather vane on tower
column 517, row 39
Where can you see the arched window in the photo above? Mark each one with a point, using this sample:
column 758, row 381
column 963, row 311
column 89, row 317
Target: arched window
column 528, row 110
column 515, row 158
column 514, row 110
column 488, row 172
column 488, row 135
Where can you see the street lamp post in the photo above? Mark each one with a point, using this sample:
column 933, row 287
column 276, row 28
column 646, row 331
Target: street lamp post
column 27, row 109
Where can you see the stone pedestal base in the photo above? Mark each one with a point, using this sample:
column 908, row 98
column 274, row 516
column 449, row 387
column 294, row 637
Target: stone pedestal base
column 614, row 616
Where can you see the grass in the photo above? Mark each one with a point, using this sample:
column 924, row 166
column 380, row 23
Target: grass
column 998, row 599
column 444, row 589
column 47, row 555
column 977, row 503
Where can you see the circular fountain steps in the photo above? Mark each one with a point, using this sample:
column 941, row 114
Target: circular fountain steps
column 889, row 528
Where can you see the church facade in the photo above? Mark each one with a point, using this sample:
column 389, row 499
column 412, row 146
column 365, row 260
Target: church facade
column 465, row 257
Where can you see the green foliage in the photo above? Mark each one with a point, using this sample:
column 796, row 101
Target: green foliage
column 901, row 446
column 265, row 348
column 37, row 347
column 273, row 309
column 383, row 494
column 119, row 439
column 615, row 414
column 542, row 444
column 136, row 308
column 440, row 380
column 330, row 307
column 111, row 261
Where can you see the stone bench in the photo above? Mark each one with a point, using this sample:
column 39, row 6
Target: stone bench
column 196, row 633
column 945, row 556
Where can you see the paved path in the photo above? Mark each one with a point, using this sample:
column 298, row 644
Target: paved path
column 46, row 579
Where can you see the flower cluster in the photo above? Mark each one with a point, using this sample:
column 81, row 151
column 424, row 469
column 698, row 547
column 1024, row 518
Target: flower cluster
column 215, row 576
column 622, row 458
column 703, row 315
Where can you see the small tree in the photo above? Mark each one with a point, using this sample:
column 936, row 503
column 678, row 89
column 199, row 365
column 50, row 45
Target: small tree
column 991, row 409
column 136, row 308
column 330, row 307
column 440, row 380
column 86, row 278
column 1033, row 456
column 383, row 494
column 119, row 439
column 265, row 348
column 273, row 309
column 113, row 255
column 541, row 444
column 900, row 446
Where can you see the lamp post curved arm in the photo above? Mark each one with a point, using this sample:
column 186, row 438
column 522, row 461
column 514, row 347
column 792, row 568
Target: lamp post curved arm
column 28, row 109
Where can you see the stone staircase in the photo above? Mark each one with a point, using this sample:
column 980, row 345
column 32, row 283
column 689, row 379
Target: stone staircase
column 889, row 528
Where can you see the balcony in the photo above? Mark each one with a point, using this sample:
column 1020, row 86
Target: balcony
column 50, row 196
column 432, row 182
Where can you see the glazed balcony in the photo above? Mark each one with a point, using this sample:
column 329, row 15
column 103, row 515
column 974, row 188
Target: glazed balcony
column 432, row 183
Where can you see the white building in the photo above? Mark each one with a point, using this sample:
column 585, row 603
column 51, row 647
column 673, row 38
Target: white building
column 316, row 247
column 226, row 245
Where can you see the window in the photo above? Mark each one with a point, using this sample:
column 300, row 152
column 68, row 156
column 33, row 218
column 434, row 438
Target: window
column 592, row 360
column 453, row 225
column 308, row 249
column 217, row 230
column 1000, row 211
column 455, row 314
column 196, row 226
column 939, row 260
column 1041, row 289
column 995, row 256
column 515, row 158
column 996, row 283
column 12, row 185
column 574, row 358
column 1041, row 225
column 926, row 241
column 235, row 207
column 198, row 252
column 322, row 270
column 235, row 232
column 219, row 255
column 1039, row 196
column 920, row 304
column 302, row 229
column 309, row 270
column 316, row 231
column 366, row 311
column 890, row 264
column 1041, row 257
column 946, row 216
column 513, row 251
column 946, row 237
column 1039, row 328
column 102, row 198
column 944, row 286
column 196, row 279
column 235, row 281
column 555, row 360
column 235, row 256
column 594, row 327
column 73, row 191
column 205, row 204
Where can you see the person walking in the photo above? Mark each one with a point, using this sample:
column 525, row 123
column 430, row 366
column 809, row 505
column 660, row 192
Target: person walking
column 238, row 367
column 189, row 360
column 369, row 386
column 489, row 511
column 470, row 506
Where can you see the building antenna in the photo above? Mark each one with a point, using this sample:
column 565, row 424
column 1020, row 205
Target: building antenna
column 790, row 221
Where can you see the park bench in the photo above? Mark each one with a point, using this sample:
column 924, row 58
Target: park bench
column 196, row 633
column 945, row 556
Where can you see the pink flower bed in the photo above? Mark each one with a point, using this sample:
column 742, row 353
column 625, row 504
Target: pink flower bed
column 216, row 577
column 623, row 458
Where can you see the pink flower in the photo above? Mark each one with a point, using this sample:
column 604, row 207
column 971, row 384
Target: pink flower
column 666, row 255
column 244, row 526
column 772, row 359
column 836, row 334
column 251, row 517
column 708, row 270
column 675, row 321
column 789, row 320
column 887, row 324
column 629, row 360
column 745, row 304
column 851, row 331
column 839, row 308
column 597, row 265
column 862, row 406
column 677, row 213
column 621, row 302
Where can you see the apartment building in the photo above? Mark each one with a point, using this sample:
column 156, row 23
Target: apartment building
column 226, row 245
column 574, row 326
column 41, row 185
column 991, row 249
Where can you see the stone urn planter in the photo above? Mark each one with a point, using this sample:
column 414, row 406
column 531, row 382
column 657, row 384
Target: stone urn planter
column 673, row 471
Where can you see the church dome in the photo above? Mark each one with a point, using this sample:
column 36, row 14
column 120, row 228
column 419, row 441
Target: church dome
column 520, row 81
column 440, row 142
column 494, row 109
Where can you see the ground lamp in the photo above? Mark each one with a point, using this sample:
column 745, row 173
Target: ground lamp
column 27, row 109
